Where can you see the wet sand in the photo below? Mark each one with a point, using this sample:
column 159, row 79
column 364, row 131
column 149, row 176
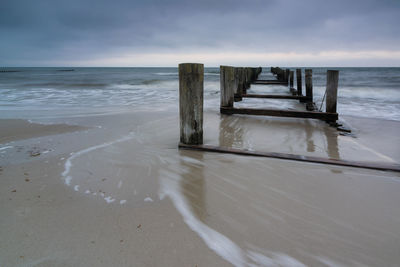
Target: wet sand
column 17, row 129
column 118, row 192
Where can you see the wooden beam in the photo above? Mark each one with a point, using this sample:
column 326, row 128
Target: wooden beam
column 281, row 113
column 259, row 80
column 274, row 96
column 329, row 161
column 269, row 82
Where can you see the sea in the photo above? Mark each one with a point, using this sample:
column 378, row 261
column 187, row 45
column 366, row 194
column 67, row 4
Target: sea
column 34, row 93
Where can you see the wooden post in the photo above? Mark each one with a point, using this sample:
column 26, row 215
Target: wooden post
column 299, row 82
column 309, row 85
column 243, row 81
column 291, row 78
column 287, row 72
column 248, row 78
column 279, row 73
column 191, row 87
column 332, row 80
column 239, row 84
column 227, row 84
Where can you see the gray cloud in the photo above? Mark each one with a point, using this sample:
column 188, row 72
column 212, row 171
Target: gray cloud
column 33, row 32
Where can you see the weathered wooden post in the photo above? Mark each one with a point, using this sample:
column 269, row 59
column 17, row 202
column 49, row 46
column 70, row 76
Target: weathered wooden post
column 332, row 80
column 291, row 78
column 191, row 87
column 238, row 84
column 299, row 82
column 243, row 81
column 227, row 84
column 287, row 71
column 309, row 85
column 279, row 73
column 248, row 79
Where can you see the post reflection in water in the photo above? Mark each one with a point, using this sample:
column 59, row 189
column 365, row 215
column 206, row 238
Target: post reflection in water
column 230, row 132
column 309, row 137
column 192, row 184
column 332, row 141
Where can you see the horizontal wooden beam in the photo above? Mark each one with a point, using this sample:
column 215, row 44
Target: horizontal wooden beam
column 338, row 162
column 271, row 82
column 274, row 96
column 281, row 113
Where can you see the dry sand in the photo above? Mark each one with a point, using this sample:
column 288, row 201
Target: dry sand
column 115, row 191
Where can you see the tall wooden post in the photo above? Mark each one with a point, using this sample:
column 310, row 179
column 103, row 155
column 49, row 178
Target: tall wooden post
column 239, row 83
column 248, row 79
column 227, row 84
column 291, row 79
column 191, row 87
column 287, row 71
column 281, row 75
column 242, row 88
column 332, row 80
column 299, row 82
column 309, row 85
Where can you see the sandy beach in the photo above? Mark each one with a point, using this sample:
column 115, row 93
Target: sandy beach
column 114, row 190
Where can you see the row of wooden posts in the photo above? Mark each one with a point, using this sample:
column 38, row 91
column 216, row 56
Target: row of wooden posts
column 231, row 91
column 332, row 78
column 234, row 83
column 237, row 81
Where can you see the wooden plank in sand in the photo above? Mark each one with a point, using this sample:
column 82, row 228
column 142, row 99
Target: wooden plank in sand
column 191, row 87
column 311, row 159
column 281, row 113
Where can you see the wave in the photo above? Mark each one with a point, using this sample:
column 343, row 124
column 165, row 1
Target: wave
column 64, row 84
column 166, row 73
column 152, row 81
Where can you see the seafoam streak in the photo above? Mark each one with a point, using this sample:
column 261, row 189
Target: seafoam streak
column 68, row 163
column 219, row 243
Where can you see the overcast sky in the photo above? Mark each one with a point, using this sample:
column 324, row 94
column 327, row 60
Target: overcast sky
column 214, row 32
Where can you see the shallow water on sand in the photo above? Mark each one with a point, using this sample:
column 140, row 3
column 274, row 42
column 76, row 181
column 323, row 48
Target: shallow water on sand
column 251, row 211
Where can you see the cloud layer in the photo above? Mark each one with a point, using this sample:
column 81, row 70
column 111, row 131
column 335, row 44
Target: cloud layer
column 155, row 32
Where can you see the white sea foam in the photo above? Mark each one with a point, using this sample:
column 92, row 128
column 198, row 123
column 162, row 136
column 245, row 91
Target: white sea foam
column 109, row 199
column 148, row 199
column 68, row 165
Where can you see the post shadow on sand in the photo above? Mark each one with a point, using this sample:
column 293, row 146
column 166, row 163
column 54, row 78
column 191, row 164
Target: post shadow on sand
column 192, row 184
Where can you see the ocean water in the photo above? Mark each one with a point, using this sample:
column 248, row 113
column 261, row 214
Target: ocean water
column 52, row 92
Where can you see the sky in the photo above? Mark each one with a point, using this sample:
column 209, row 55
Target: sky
column 124, row 33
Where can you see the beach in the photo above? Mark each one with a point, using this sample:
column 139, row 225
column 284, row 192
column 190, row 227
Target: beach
column 106, row 185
